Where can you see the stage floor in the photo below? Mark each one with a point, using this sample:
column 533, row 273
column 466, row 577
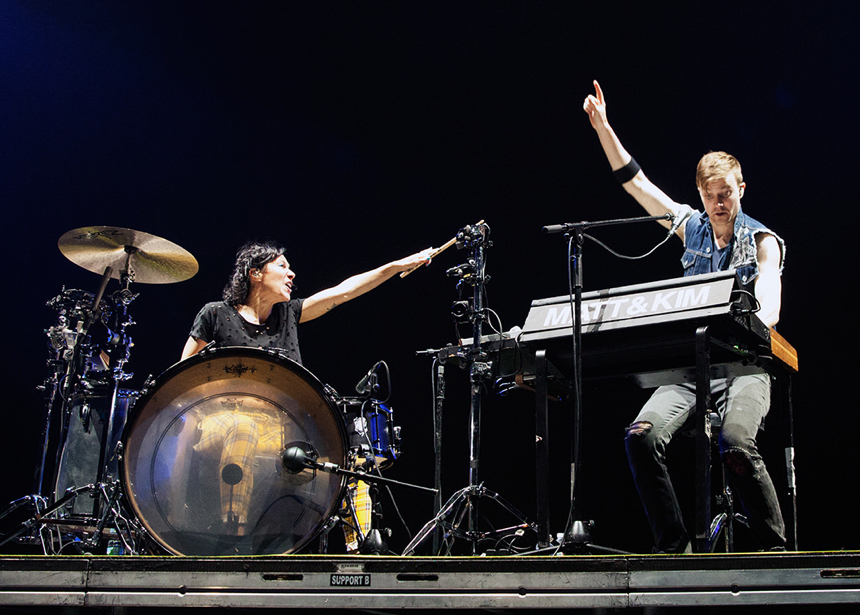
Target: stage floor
column 829, row 579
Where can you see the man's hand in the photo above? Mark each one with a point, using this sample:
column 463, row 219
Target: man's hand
column 595, row 107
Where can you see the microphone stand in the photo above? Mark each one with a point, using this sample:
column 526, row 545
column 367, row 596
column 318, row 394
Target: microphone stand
column 577, row 534
column 295, row 459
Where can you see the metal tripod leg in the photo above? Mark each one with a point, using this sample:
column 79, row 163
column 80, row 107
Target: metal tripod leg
column 42, row 518
column 458, row 507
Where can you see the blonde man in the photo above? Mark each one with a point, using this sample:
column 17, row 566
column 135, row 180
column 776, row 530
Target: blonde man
column 718, row 238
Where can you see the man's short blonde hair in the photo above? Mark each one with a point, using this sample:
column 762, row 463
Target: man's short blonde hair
column 717, row 165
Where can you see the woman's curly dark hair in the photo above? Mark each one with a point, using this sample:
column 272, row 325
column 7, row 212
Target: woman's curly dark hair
column 252, row 255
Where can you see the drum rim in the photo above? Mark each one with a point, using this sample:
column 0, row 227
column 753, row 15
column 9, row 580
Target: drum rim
column 177, row 368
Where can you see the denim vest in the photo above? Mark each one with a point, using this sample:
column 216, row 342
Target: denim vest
column 700, row 246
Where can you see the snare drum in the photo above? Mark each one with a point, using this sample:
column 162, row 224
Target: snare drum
column 201, row 466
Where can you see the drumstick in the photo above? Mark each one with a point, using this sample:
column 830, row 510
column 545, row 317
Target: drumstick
column 433, row 254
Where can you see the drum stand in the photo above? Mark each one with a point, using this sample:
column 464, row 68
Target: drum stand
column 340, row 518
column 463, row 505
column 124, row 530
column 68, row 380
column 372, row 543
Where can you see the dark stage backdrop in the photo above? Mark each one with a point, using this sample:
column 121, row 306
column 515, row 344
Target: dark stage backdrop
column 356, row 133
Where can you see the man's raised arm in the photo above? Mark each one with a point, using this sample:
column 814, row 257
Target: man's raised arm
column 624, row 167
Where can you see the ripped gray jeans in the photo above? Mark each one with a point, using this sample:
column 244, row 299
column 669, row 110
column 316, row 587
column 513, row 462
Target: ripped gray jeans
column 742, row 403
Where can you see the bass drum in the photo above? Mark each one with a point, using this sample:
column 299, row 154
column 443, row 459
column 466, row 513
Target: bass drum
column 201, row 467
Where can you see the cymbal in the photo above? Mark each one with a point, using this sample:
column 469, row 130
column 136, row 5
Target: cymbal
column 148, row 259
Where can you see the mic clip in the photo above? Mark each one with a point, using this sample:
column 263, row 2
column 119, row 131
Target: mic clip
column 368, row 383
column 679, row 219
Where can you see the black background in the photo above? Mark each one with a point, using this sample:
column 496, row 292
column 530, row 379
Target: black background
column 357, row 133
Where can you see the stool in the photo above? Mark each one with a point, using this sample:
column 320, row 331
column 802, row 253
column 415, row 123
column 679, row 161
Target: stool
column 723, row 522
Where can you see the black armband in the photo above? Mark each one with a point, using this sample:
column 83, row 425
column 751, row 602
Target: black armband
column 627, row 172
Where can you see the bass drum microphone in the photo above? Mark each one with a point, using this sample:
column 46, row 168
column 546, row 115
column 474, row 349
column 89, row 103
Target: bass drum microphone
column 296, row 458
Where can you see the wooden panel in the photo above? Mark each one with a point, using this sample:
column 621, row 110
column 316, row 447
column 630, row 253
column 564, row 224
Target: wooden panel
column 783, row 351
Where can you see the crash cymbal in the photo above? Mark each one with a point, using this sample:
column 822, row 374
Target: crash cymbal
column 148, row 259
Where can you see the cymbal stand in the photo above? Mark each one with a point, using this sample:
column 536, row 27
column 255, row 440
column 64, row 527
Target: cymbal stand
column 464, row 503
column 577, row 534
column 119, row 355
column 118, row 347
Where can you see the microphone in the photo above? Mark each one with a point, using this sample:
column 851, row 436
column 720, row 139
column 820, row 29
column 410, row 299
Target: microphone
column 679, row 220
column 558, row 228
column 365, row 385
column 295, row 459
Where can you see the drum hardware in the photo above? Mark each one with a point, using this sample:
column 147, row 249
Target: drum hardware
column 376, row 540
column 112, row 525
column 436, row 252
column 83, row 393
column 84, row 377
column 374, row 444
column 39, row 505
column 372, row 543
column 464, row 504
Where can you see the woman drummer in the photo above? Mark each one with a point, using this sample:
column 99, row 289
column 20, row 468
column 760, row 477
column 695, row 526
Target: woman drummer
column 258, row 311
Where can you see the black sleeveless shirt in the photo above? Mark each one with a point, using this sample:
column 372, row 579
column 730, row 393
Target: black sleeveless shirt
column 221, row 323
